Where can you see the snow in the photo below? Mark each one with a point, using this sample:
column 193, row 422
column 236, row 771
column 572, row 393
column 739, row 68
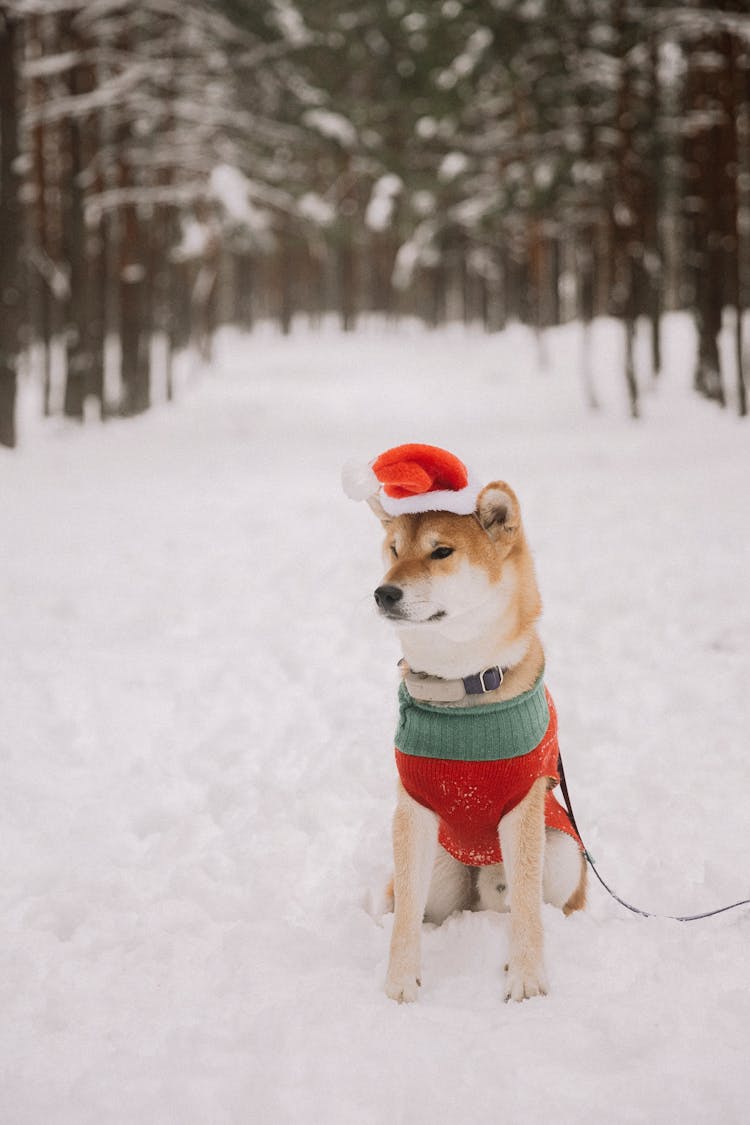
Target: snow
column 290, row 23
column 452, row 165
column 194, row 241
column 423, row 202
column 465, row 63
column 332, row 125
column 197, row 757
column 426, row 127
column 416, row 250
column 232, row 189
column 318, row 210
column 382, row 201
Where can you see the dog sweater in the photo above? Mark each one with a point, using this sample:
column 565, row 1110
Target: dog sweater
column 472, row 765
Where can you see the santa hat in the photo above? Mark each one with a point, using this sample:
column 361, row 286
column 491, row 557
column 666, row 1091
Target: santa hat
column 414, row 478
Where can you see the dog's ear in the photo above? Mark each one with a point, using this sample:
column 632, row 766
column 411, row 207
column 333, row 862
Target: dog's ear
column 498, row 511
column 379, row 510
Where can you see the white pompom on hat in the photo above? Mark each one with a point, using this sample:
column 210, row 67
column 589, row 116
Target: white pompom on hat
column 414, row 478
column 359, row 481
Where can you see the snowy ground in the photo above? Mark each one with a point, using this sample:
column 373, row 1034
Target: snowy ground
column 198, row 706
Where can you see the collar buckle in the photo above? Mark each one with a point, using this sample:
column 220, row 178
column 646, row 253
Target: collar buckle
column 482, row 682
column 491, row 678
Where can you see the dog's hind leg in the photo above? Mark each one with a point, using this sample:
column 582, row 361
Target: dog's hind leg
column 563, row 878
column 415, row 831
column 451, row 888
column 522, row 845
column 564, row 881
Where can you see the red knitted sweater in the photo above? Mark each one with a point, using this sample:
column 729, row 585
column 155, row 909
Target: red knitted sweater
column 471, row 798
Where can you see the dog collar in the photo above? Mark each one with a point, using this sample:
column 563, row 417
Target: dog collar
column 434, row 689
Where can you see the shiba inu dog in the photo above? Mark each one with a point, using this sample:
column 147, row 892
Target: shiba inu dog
column 476, row 825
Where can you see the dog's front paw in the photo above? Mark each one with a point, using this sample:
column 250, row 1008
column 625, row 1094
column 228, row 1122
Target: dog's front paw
column 402, row 987
column 524, row 981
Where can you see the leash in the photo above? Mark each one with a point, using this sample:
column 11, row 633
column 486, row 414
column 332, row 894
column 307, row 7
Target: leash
column 608, row 889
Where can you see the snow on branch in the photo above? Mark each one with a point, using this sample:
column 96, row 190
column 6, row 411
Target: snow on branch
column 170, row 195
column 315, row 209
column 231, row 188
column 265, row 52
column 695, row 22
column 290, row 22
column 107, row 94
column 47, row 66
column 227, row 117
column 382, row 201
column 201, row 17
column 417, row 250
column 26, row 8
column 332, row 125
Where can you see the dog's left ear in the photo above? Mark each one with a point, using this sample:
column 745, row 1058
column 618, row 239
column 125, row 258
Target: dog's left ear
column 379, row 510
column 498, row 511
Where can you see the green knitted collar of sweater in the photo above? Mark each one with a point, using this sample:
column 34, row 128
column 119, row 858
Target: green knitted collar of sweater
column 484, row 733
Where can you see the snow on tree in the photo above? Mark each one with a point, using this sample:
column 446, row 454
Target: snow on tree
column 487, row 161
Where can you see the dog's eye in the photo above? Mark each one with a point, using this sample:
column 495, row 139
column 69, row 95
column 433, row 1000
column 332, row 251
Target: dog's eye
column 441, row 552
column 394, row 552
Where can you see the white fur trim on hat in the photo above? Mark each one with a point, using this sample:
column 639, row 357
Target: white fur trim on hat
column 462, row 501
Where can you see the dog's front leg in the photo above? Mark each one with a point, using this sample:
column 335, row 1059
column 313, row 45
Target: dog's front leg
column 415, row 831
column 522, row 844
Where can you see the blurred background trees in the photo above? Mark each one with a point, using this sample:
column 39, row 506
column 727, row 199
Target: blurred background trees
column 169, row 166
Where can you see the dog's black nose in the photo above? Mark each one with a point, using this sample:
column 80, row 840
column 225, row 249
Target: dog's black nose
column 387, row 597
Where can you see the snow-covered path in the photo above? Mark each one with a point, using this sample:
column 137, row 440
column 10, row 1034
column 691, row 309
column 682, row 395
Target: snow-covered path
column 198, row 706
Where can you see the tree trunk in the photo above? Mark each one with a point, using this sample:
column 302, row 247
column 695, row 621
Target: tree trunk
column 438, row 295
column 180, row 286
column 628, row 210
column 10, row 227
column 630, row 377
column 346, row 281
column 586, row 289
column 244, row 280
column 76, row 328
column 41, row 272
column 286, row 295
column 134, row 340
column 653, row 257
column 739, row 360
column 741, row 115
column 205, row 297
column 708, row 183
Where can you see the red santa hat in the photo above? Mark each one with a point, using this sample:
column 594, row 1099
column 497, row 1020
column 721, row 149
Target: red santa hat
column 414, row 478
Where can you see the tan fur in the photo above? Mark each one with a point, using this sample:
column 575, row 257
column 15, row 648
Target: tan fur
column 577, row 900
column 522, row 844
column 477, row 607
column 415, row 831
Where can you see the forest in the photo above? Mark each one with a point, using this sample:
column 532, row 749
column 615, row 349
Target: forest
column 169, row 167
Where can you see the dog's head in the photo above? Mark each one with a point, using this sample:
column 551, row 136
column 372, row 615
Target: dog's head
column 458, row 567
column 444, row 568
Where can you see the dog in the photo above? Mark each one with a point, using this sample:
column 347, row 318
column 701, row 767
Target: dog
column 476, row 825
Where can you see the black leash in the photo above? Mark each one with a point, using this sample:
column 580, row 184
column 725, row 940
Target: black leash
column 608, row 889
